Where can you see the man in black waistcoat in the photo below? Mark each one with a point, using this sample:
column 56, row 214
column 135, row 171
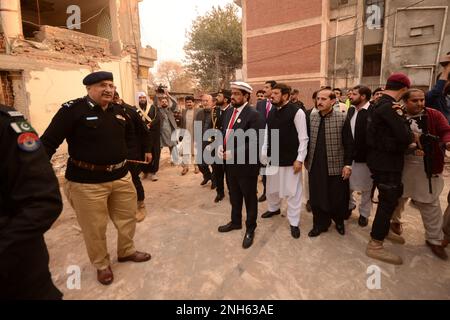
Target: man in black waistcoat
column 287, row 153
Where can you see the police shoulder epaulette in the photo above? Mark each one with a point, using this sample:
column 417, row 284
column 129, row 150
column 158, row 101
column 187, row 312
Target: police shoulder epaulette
column 71, row 103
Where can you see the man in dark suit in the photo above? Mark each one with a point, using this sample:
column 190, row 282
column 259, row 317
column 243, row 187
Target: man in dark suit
column 240, row 152
column 356, row 127
column 263, row 107
column 223, row 100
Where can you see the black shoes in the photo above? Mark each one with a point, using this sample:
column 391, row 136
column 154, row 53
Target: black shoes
column 219, row 197
column 363, row 221
column 340, row 229
column 269, row 214
column 316, row 232
column 229, row 227
column 248, row 239
column 262, row 198
column 295, row 232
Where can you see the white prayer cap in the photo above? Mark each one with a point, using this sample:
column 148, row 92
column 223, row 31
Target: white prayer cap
column 241, row 86
column 141, row 94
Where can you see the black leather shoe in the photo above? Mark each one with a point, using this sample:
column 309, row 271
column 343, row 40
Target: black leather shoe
column 295, row 232
column 340, row 229
column 269, row 214
column 205, row 181
column 229, row 227
column 363, row 221
column 248, row 239
column 315, row 232
column 262, row 198
column 219, row 197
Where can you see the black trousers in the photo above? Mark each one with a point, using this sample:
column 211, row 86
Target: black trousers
column 153, row 166
column 24, row 273
column 390, row 189
column 243, row 189
column 219, row 174
column 135, row 170
column 322, row 219
column 206, row 172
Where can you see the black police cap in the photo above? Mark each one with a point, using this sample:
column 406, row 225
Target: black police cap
column 97, row 77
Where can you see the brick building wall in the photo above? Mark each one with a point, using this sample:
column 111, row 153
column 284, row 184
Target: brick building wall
column 285, row 43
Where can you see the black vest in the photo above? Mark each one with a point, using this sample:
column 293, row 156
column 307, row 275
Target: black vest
column 283, row 120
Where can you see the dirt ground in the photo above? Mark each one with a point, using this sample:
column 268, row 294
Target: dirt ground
column 191, row 260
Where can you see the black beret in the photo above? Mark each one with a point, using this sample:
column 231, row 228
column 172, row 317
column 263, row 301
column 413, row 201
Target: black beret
column 97, row 77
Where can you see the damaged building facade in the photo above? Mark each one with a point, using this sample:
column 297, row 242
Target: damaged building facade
column 43, row 62
column 342, row 43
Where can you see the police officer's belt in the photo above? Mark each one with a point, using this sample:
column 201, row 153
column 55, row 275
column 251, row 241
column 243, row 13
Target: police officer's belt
column 96, row 167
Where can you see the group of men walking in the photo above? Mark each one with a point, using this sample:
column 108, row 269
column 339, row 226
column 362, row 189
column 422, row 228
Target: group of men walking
column 379, row 144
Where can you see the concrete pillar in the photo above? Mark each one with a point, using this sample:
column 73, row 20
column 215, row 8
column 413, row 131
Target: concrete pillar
column 11, row 18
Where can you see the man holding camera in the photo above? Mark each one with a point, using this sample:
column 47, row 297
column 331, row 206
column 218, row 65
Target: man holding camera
column 425, row 186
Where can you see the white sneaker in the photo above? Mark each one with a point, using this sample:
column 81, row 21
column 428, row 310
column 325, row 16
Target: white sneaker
column 154, row 177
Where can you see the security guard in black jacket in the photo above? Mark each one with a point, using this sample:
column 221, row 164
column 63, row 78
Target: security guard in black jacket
column 388, row 136
column 30, row 202
column 139, row 150
column 98, row 184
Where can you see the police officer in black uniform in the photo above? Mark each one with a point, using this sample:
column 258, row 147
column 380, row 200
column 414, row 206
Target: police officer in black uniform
column 388, row 136
column 98, row 183
column 139, row 149
column 30, row 202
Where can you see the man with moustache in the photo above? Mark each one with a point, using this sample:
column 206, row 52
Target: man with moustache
column 360, row 180
column 264, row 107
column 425, row 121
column 329, row 165
column 205, row 117
column 98, row 184
column 240, row 150
column 188, row 116
column 284, row 179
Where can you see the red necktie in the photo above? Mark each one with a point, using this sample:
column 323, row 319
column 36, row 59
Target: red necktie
column 268, row 105
column 230, row 126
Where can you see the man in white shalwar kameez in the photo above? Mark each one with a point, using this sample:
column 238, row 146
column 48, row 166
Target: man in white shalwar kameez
column 285, row 156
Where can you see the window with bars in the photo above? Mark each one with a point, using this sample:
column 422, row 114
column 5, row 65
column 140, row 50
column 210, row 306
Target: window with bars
column 6, row 89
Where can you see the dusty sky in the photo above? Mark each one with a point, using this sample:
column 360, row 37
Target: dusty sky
column 164, row 24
